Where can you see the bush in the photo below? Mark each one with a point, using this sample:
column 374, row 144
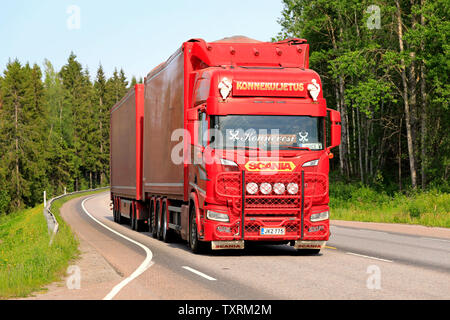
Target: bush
column 356, row 202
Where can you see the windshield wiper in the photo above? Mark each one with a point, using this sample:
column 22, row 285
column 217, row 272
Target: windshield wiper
column 298, row 148
column 248, row 148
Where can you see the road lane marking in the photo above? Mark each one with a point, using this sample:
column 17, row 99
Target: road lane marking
column 141, row 269
column 328, row 247
column 369, row 257
column 373, row 231
column 435, row 239
column 201, row 274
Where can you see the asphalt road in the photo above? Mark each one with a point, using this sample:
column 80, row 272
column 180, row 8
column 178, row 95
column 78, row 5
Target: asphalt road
column 358, row 263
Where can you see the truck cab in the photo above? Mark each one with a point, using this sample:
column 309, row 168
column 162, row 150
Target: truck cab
column 259, row 155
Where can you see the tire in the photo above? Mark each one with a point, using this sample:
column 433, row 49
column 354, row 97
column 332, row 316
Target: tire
column 132, row 222
column 155, row 222
column 196, row 246
column 159, row 235
column 165, row 230
column 119, row 218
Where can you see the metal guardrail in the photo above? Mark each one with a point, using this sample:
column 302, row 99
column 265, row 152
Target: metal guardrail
column 52, row 223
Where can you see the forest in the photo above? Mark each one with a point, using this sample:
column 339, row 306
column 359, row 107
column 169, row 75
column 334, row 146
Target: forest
column 384, row 66
column 54, row 130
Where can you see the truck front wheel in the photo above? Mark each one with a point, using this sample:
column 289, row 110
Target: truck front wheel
column 195, row 245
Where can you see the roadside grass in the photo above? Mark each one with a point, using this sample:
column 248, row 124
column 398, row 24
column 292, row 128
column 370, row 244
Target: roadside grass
column 27, row 261
column 359, row 203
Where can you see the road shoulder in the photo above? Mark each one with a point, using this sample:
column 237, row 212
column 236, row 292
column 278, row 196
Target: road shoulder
column 90, row 277
column 408, row 229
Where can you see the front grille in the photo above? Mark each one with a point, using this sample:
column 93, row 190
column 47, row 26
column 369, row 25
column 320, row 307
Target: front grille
column 252, row 228
column 266, row 202
column 229, row 186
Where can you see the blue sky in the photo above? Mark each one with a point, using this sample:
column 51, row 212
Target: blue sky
column 135, row 35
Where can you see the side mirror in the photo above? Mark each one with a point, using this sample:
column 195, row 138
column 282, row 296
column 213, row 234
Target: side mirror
column 336, row 130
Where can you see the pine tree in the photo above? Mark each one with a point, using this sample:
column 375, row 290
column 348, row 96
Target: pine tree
column 22, row 131
column 102, row 107
column 58, row 153
column 72, row 79
column 88, row 128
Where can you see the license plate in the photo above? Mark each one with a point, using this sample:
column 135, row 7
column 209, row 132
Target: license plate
column 273, row 231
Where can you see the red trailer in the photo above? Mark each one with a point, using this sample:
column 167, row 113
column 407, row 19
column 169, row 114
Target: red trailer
column 224, row 144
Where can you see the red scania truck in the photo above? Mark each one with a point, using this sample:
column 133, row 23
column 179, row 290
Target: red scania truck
column 224, row 144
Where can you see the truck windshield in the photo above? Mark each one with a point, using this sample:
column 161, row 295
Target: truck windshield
column 267, row 132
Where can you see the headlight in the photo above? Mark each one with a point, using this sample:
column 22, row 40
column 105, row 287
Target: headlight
column 311, row 163
column 266, row 188
column 226, row 162
column 292, row 188
column 217, row 216
column 229, row 165
column 320, row 216
column 279, row 188
column 252, row 188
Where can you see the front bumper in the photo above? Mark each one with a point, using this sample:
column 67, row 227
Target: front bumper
column 240, row 244
column 219, row 231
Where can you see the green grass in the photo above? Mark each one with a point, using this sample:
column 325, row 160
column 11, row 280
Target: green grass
column 358, row 203
column 27, row 261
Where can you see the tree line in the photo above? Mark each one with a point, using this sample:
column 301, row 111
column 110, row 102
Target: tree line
column 384, row 65
column 54, row 130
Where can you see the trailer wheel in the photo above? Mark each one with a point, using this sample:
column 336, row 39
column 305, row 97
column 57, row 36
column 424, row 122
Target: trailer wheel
column 115, row 211
column 150, row 219
column 165, row 230
column 133, row 221
column 119, row 217
column 159, row 235
column 155, row 220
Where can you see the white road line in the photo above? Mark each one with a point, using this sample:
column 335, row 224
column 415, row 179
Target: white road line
column 141, row 269
column 369, row 257
column 201, row 274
